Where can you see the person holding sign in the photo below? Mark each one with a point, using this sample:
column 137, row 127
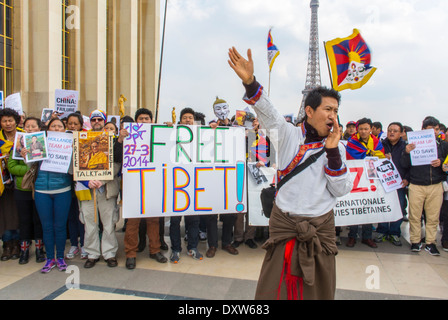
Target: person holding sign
column 106, row 202
column 9, row 220
column 191, row 222
column 30, row 226
column 131, row 240
column 53, row 194
column 302, row 218
column 362, row 145
column 425, row 192
column 394, row 146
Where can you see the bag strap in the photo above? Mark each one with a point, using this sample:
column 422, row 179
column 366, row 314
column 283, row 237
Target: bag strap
column 312, row 159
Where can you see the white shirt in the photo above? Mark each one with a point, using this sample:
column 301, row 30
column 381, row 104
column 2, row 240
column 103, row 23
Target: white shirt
column 313, row 192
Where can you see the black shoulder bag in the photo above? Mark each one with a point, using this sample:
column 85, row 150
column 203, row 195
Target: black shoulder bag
column 267, row 195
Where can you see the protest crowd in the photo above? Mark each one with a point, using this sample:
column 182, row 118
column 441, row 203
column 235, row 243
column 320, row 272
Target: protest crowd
column 54, row 210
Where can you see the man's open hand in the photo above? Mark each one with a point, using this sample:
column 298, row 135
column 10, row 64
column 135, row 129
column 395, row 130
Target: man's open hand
column 242, row 67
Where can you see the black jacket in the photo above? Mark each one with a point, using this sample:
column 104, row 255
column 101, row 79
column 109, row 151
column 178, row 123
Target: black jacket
column 397, row 151
column 426, row 175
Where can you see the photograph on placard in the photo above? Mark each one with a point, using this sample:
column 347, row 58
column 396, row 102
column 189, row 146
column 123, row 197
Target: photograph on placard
column 19, row 144
column 369, row 163
column 93, row 156
column 36, row 144
column 6, row 176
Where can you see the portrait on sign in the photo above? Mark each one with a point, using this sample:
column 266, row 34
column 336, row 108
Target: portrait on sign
column 93, row 156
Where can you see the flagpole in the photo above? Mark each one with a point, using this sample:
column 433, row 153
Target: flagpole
column 328, row 64
column 269, row 88
column 161, row 63
column 329, row 72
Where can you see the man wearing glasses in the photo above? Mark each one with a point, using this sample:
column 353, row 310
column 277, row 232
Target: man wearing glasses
column 394, row 146
column 106, row 197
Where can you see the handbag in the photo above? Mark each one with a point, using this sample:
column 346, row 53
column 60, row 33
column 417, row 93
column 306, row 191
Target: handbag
column 267, row 195
column 29, row 179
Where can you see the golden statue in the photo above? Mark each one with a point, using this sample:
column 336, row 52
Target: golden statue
column 174, row 116
column 121, row 102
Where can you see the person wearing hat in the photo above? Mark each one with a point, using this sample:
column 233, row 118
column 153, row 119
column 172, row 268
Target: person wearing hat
column 349, row 131
column 106, row 197
column 222, row 110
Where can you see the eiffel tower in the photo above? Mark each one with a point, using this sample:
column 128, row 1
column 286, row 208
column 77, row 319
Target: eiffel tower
column 313, row 78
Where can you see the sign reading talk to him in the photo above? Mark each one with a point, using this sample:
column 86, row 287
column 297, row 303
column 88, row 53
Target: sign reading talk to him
column 183, row 170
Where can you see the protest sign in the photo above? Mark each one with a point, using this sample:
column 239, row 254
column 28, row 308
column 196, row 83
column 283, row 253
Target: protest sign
column 388, row 174
column 60, row 149
column 256, row 183
column 14, row 102
column 93, row 156
column 19, row 144
column 46, row 115
column 183, row 170
column 426, row 147
column 368, row 202
column 6, row 176
column 36, row 144
column 66, row 102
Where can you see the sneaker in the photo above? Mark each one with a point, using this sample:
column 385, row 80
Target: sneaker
column 445, row 246
column 432, row 249
column 395, row 240
column 195, row 254
column 416, row 247
column 174, row 258
column 51, row 263
column 72, row 253
column 84, row 254
column 380, row 238
column 62, row 266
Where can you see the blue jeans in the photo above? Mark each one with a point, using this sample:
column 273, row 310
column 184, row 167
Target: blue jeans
column 394, row 228
column 53, row 212
column 191, row 227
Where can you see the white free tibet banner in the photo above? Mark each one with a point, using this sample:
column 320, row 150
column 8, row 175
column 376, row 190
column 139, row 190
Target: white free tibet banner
column 183, row 170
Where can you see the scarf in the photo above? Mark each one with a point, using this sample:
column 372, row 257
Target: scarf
column 358, row 149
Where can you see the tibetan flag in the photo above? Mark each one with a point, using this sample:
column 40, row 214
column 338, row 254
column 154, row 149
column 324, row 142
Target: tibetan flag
column 273, row 52
column 349, row 60
column 82, row 192
column 356, row 149
column 260, row 149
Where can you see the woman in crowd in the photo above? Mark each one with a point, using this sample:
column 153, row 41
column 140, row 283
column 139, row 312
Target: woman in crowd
column 30, row 226
column 53, row 197
column 9, row 218
column 75, row 123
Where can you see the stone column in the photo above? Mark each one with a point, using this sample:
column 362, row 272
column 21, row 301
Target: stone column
column 93, row 55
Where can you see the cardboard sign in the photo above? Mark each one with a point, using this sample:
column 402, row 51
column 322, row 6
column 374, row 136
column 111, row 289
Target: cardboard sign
column 183, row 170
column 60, row 150
column 14, row 102
column 426, row 147
column 36, row 144
column 93, row 156
column 66, row 102
column 368, row 202
column 388, row 174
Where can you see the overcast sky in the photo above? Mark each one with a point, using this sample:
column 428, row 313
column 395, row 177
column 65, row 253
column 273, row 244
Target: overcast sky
column 407, row 38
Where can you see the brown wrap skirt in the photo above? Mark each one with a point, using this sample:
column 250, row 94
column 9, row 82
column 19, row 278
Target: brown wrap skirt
column 300, row 261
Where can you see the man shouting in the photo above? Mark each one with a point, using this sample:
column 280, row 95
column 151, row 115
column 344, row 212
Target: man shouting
column 301, row 250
